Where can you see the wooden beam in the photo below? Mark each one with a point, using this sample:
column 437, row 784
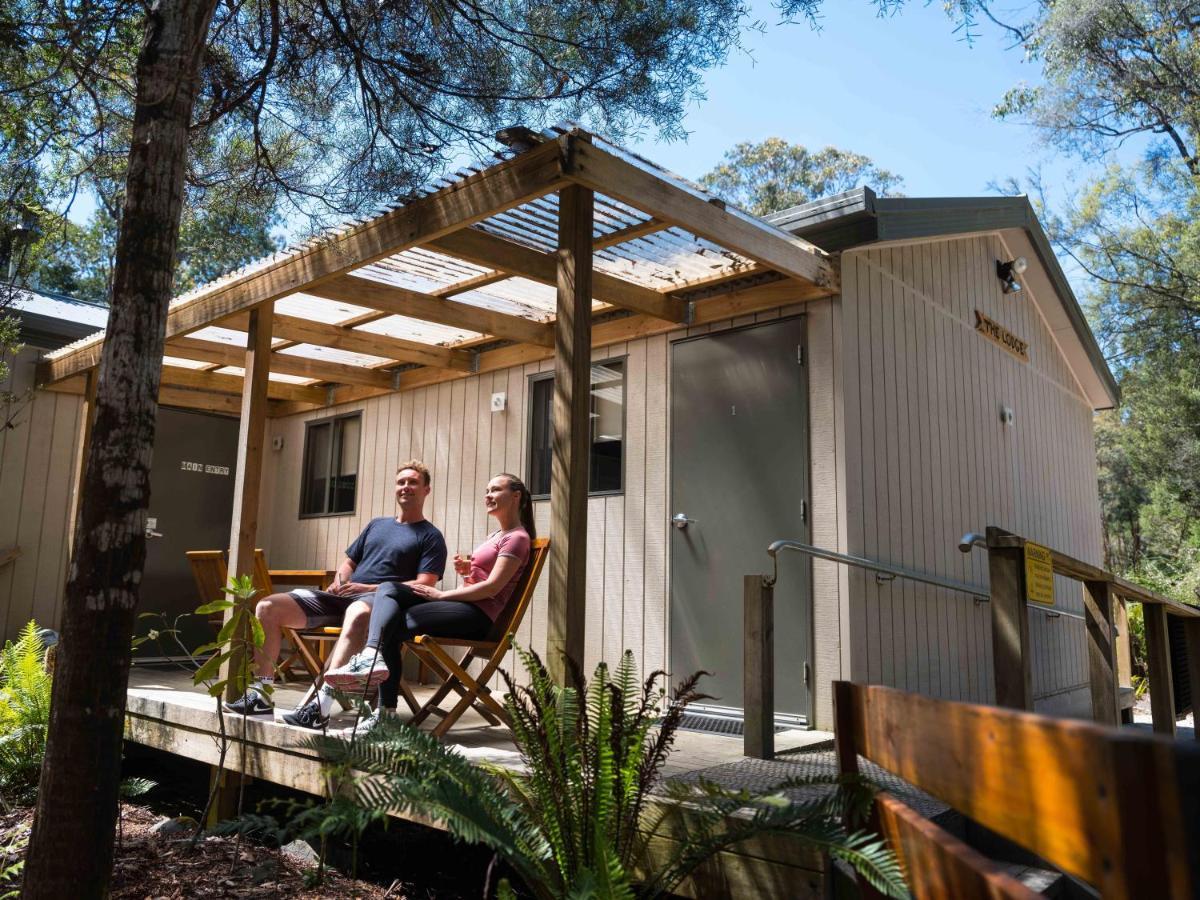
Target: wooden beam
column 615, row 331
column 495, row 252
column 285, row 364
column 496, row 189
column 248, row 481
column 404, row 302
column 1102, row 651
column 216, row 383
column 570, row 429
column 629, row 233
column 589, row 165
column 225, row 404
column 1010, row 623
column 1158, row 652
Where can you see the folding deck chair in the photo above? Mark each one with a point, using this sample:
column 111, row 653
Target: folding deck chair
column 453, row 674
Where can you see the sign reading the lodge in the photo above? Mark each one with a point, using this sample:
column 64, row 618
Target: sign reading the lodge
column 1039, row 574
column 998, row 334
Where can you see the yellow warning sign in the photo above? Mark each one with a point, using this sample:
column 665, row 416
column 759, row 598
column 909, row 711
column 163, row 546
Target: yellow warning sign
column 1039, row 574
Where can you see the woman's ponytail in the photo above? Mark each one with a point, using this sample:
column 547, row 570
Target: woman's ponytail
column 524, row 503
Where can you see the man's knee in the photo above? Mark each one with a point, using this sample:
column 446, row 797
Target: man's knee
column 271, row 610
column 357, row 618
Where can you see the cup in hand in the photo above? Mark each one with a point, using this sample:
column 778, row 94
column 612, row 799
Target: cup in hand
column 462, row 564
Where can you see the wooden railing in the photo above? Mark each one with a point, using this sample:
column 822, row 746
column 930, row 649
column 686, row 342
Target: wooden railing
column 1010, row 602
column 1120, row 811
column 1010, row 630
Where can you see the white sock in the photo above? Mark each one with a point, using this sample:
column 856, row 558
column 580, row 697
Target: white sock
column 261, row 681
column 325, row 698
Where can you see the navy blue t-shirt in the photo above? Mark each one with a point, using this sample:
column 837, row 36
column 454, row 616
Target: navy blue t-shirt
column 388, row 550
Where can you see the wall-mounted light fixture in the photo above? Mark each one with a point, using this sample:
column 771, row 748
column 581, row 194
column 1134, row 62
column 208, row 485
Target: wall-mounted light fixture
column 1007, row 272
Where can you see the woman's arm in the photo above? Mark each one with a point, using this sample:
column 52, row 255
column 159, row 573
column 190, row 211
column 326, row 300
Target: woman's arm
column 502, row 573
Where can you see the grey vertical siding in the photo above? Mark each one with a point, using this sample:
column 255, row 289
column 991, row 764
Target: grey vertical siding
column 37, row 464
column 928, row 459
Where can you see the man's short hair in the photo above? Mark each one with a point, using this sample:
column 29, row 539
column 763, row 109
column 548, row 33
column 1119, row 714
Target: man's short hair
column 417, row 466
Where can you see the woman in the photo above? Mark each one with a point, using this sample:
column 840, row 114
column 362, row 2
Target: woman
column 489, row 577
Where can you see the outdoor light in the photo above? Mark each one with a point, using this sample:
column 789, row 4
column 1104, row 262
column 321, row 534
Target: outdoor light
column 1007, row 272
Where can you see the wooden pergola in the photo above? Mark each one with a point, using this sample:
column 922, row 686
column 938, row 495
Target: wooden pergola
column 571, row 243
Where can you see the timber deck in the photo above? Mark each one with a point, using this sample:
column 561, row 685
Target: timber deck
column 167, row 713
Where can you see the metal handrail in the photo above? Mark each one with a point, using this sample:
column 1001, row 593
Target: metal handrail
column 872, row 565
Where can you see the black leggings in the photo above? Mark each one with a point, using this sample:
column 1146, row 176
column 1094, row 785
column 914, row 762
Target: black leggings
column 398, row 613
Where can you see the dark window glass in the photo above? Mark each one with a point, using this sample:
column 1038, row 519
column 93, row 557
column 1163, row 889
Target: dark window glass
column 330, row 466
column 605, row 462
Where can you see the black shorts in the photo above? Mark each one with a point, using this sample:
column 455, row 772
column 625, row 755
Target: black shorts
column 322, row 608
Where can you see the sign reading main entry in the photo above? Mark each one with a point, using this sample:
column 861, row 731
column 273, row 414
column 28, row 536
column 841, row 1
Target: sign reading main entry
column 1039, row 574
column 998, row 334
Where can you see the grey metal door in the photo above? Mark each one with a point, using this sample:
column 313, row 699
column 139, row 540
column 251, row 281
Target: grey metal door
column 739, row 473
column 191, row 504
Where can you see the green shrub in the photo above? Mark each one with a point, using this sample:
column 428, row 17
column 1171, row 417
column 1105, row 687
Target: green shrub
column 24, row 713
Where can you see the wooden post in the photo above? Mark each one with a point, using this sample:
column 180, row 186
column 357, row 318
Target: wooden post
column 85, row 441
column 758, row 667
column 1192, row 630
column 1102, row 651
column 1010, row 621
column 251, row 437
column 570, row 438
column 1158, row 649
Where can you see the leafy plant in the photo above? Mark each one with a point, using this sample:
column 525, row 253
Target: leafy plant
column 24, row 712
column 238, row 638
column 583, row 822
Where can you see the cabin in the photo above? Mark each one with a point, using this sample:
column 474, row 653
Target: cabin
column 873, row 377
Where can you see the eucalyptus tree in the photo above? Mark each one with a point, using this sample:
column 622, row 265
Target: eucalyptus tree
column 773, row 174
column 330, row 105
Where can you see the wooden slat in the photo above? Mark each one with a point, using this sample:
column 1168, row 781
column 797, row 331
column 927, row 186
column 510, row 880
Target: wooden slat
column 629, row 233
column 225, row 355
column 216, row 383
column 1158, row 653
column 570, row 445
column 601, row 171
column 404, row 302
column 494, row 190
column 1068, row 791
column 937, row 865
column 248, row 478
column 495, row 252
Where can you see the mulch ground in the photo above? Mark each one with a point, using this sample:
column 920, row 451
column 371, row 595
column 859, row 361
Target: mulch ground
column 171, row 867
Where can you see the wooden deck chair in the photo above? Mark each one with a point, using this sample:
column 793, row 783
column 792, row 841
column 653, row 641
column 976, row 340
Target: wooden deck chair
column 454, row 675
column 210, row 574
column 310, row 646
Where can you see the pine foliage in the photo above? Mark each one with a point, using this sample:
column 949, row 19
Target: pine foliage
column 579, row 821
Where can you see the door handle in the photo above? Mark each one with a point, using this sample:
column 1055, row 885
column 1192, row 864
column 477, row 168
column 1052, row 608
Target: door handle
column 680, row 520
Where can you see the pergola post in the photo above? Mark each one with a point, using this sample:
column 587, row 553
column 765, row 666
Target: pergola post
column 87, row 417
column 570, row 433
column 1192, row 631
column 251, row 437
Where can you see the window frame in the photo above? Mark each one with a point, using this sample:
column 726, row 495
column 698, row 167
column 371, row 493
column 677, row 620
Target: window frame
column 549, row 376
column 308, row 426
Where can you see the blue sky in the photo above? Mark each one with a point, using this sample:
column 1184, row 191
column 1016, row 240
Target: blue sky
column 905, row 90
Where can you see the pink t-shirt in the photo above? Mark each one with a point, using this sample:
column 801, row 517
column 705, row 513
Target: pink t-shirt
column 514, row 543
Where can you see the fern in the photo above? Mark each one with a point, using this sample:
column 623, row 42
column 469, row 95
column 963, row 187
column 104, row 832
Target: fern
column 579, row 823
column 24, row 712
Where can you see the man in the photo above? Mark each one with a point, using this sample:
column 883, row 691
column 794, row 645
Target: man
column 405, row 549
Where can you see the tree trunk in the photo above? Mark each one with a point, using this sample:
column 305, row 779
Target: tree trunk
column 70, row 851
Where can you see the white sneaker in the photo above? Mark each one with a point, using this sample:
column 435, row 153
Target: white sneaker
column 365, row 668
column 367, row 724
